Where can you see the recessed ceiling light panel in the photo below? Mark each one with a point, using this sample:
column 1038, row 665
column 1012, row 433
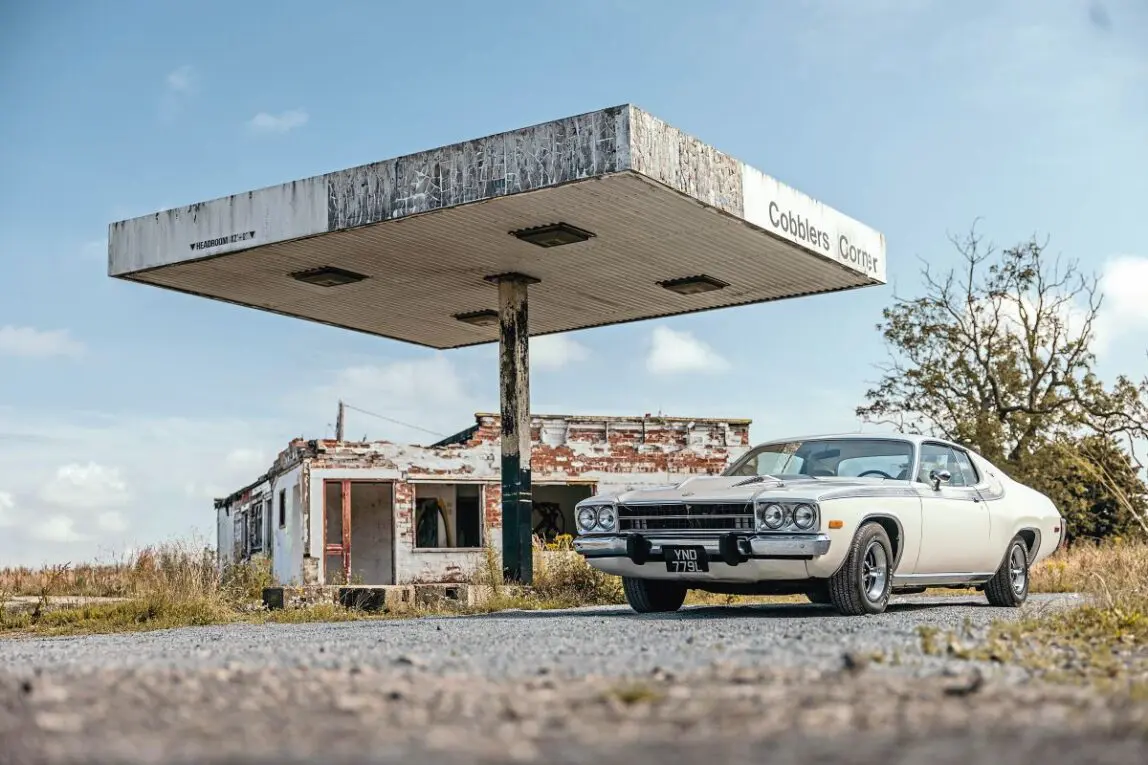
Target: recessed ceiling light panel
column 694, row 285
column 553, row 235
column 485, row 318
column 328, row 276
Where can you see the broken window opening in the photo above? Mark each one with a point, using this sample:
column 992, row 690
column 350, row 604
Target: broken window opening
column 255, row 527
column 553, row 503
column 448, row 516
column 282, row 508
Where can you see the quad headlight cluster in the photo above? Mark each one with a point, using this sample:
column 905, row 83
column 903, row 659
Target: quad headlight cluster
column 786, row 516
column 597, row 517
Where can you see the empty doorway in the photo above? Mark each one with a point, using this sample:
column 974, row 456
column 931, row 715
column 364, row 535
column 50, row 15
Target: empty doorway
column 372, row 533
column 358, row 527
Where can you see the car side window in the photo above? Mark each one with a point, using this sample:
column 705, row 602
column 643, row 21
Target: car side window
column 891, row 465
column 967, row 467
column 938, row 457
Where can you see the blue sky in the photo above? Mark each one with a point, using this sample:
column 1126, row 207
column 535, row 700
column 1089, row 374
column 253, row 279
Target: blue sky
column 124, row 408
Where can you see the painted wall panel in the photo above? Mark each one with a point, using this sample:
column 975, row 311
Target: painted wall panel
column 229, row 224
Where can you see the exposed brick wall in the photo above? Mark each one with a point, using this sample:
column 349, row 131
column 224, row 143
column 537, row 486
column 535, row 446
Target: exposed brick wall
column 404, row 514
column 493, row 494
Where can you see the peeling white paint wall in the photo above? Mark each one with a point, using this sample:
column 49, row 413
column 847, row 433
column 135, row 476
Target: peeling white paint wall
column 287, row 550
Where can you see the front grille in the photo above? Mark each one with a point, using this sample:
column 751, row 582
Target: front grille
column 682, row 516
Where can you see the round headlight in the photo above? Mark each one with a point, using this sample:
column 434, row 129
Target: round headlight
column 587, row 518
column 607, row 517
column 773, row 516
column 804, row 517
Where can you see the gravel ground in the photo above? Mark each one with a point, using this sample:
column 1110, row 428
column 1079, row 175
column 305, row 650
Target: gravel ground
column 591, row 641
column 592, row 685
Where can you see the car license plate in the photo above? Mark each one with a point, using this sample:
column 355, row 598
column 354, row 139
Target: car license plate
column 686, row 560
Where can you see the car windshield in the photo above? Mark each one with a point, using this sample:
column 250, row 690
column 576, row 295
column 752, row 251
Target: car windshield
column 828, row 458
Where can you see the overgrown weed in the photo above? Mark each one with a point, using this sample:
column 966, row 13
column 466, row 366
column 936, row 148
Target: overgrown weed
column 1103, row 641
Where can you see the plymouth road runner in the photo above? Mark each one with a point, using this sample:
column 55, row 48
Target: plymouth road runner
column 847, row 520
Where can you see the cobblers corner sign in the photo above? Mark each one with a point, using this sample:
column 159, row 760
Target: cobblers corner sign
column 806, row 222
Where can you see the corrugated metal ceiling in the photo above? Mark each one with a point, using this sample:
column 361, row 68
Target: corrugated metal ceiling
column 425, row 268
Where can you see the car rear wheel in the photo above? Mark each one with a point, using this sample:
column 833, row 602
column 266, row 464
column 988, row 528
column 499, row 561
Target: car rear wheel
column 650, row 596
column 1009, row 586
column 863, row 583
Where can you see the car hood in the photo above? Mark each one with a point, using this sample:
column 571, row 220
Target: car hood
column 745, row 489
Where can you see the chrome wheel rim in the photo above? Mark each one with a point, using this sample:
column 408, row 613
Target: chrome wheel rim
column 874, row 571
column 1017, row 569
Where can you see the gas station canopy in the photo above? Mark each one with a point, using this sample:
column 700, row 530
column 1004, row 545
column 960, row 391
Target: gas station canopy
column 616, row 215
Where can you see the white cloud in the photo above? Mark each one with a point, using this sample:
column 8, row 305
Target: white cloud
column 77, row 486
column 1124, row 283
column 180, row 86
column 208, row 491
column 427, row 393
column 30, row 342
column 673, row 352
column 66, row 500
column 283, row 122
column 57, row 528
column 556, row 351
column 112, row 521
column 7, row 510
column 245, row 458
column 182, row 80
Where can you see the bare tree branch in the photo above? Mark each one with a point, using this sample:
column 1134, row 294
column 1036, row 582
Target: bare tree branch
column 997, row 353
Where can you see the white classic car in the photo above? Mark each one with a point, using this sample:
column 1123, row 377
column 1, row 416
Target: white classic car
column 844, row 519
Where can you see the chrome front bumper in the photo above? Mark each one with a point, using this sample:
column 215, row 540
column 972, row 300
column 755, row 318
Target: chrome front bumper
column 726, row 547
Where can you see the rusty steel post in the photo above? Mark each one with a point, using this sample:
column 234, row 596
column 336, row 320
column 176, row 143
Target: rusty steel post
column 514, row 387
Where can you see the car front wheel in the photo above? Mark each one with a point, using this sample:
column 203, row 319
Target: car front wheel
column 863, row 583
column 1009, row 586
column 651, row 596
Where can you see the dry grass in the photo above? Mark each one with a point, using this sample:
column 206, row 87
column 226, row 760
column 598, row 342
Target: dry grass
column 168, row 585
column 178, row 584
column 1103, row 641
column 1120, row 566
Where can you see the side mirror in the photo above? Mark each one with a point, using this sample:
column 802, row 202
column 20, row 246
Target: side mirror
column 939, row 477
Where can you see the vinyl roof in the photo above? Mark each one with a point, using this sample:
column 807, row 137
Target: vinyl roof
column 427, row 229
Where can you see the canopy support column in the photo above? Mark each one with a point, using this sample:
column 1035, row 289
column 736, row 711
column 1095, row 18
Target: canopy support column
column 514, row 387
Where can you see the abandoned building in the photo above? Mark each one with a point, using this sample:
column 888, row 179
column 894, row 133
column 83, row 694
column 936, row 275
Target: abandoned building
column 380, row 513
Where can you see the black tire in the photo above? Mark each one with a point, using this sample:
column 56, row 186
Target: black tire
column 819, row 594
column 853, row 591
column 652, row 596
column 1009, row 586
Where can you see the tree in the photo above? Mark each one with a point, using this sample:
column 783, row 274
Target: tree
column 996, row 355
